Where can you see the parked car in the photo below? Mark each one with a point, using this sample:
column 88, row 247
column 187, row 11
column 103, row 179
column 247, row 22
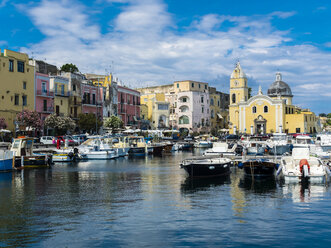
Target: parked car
column 70, row 140
column 47, row 140
column 79, row 138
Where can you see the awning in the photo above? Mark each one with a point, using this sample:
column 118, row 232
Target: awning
column 220, row 116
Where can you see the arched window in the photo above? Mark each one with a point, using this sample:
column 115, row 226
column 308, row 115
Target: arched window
column 233, row 98
column 184, row 120
column 265, row 109
column 254, row 109
column 212, row 113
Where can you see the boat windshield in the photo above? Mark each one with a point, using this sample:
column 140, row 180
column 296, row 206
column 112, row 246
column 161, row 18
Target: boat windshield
column 16, row 144
column 279, row 137
column 304, row 141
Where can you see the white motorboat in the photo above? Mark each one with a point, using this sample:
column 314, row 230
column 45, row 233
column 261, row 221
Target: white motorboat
column 97, row 149
column 301, row 166
column 279, row 144
column 324, row 140
column 221, row 149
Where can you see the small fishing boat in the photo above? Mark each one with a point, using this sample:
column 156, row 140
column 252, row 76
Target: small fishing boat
column 221, row 149
column 23, row 156
column 259, row 167
column 6, row 160
column 96, row 148
column 279, row 144
column 138, row 146
column 206, row 167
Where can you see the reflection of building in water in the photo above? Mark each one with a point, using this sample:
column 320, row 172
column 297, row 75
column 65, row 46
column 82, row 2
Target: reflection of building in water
column 304, row 192
column 238, row 198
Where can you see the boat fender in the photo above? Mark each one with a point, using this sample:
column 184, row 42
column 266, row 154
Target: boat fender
column 277, row 166
column 240, row 165
column 279, row 170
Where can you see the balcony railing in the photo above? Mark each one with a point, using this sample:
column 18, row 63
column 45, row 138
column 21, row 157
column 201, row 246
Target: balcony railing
column 97, row 103
column 64, row 94
column 45, row 93
column 48, row 110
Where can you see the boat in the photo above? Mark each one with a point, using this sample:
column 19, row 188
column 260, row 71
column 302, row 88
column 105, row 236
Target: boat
column 137, row 144
column 206, row 167
column 222, row 149
column 255, row 146
column 279, row 144
column 204, row 141
column 259, row 167
column 119, row 144
column 324, row 140
column 23, row 156
column 6, row 160
column 96, row 148
column 303, row 167
column 67, row 155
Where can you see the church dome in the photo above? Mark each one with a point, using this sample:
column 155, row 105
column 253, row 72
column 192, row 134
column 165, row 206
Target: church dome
column 279, row 88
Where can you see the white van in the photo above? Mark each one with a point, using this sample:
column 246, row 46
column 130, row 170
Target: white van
column 47, row 140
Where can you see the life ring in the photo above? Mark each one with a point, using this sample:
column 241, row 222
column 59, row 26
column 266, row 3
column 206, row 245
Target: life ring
column 302, row 163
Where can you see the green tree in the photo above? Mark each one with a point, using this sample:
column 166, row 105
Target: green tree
column 114, row 122
column 249, row 92
column 322, row 115
column 87, row 122
column 61, row 124
column 329, row 115
column 69, row 68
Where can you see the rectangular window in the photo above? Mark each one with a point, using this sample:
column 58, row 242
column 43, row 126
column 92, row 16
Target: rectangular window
column 184, row 99
column 74, row 87
column 202, row 109
column 62, row 90
column 11, row 65
column 43, row 87
column 205, row 86
column 20, row 66
column 93, row 99
column 297, row 130
column 24, row 85
column 45, row 105
column 24, row 99
column 55, row 88
column 199, row 86
column 17, row 100
column 177, row 85
column 192, row 85
column 202, row 99
column 162, row 106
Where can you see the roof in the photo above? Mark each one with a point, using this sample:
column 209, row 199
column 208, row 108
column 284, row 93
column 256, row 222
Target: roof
column 238, row 72
column 279, row 87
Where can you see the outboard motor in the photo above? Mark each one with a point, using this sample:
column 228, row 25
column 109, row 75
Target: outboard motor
column 304, row 168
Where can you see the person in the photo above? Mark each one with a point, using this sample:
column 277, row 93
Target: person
column 53, row 141
column 58, row 144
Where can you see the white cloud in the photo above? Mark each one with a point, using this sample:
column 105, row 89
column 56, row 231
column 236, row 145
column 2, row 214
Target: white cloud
column 3, row 3
column 146, row 46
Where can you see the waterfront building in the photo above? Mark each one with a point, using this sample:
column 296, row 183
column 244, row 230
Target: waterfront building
column 129, row 106
column 155, row 110
column 92, row 99
column 59, row 85
column 17, row 86
column 75, row 81
column 44, row 95
column 266, row 113
column 219, row 110
column 110, row 92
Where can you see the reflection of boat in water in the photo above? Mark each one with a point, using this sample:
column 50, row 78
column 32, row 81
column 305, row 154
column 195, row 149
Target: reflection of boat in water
column 207, row 167
column 6, row 160
column 258, row 185
column 258, row 167
column 304, row 192
column 191, row 185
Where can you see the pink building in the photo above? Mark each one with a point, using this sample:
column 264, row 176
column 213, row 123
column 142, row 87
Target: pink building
column 128, row 106
column 44, row 97
column 92, row 99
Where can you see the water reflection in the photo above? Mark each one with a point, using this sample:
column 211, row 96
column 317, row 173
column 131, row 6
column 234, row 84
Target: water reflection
column 304, row 192
column 258, row 185
column 191, row 185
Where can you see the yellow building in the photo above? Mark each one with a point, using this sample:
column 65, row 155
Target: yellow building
column 156, row 110
column 59, row 85
column 219, row 110
column 266, row 113
column 17, row 87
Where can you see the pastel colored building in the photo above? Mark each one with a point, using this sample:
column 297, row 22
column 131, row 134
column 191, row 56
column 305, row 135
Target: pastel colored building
column 219, row 110
column 129, row 106
column 157, row 110
column 59, row 85
column 44, row 95
column 269, row 113
column 17, row 86
column 92, row 99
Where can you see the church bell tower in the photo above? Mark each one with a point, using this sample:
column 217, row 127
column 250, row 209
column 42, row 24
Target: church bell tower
column 238, row 93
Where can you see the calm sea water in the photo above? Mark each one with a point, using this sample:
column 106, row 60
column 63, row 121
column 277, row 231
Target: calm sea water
column 149, row 202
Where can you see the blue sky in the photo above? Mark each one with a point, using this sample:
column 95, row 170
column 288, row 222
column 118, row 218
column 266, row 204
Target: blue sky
column 150, row 42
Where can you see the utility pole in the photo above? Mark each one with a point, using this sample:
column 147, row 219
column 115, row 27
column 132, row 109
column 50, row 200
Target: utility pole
column 96, row 114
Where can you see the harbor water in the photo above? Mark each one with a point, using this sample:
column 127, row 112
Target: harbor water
column 150, row 202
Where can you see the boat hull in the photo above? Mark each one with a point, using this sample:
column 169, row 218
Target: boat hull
column 137, row 151
column 30, row 162
column 207, row 170
column 6, row 165
column 259, row 168
column 101, row 155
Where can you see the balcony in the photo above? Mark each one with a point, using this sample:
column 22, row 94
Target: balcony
column 44, row 93
column 97, row 103
column 63, row 94
column 48, row 110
